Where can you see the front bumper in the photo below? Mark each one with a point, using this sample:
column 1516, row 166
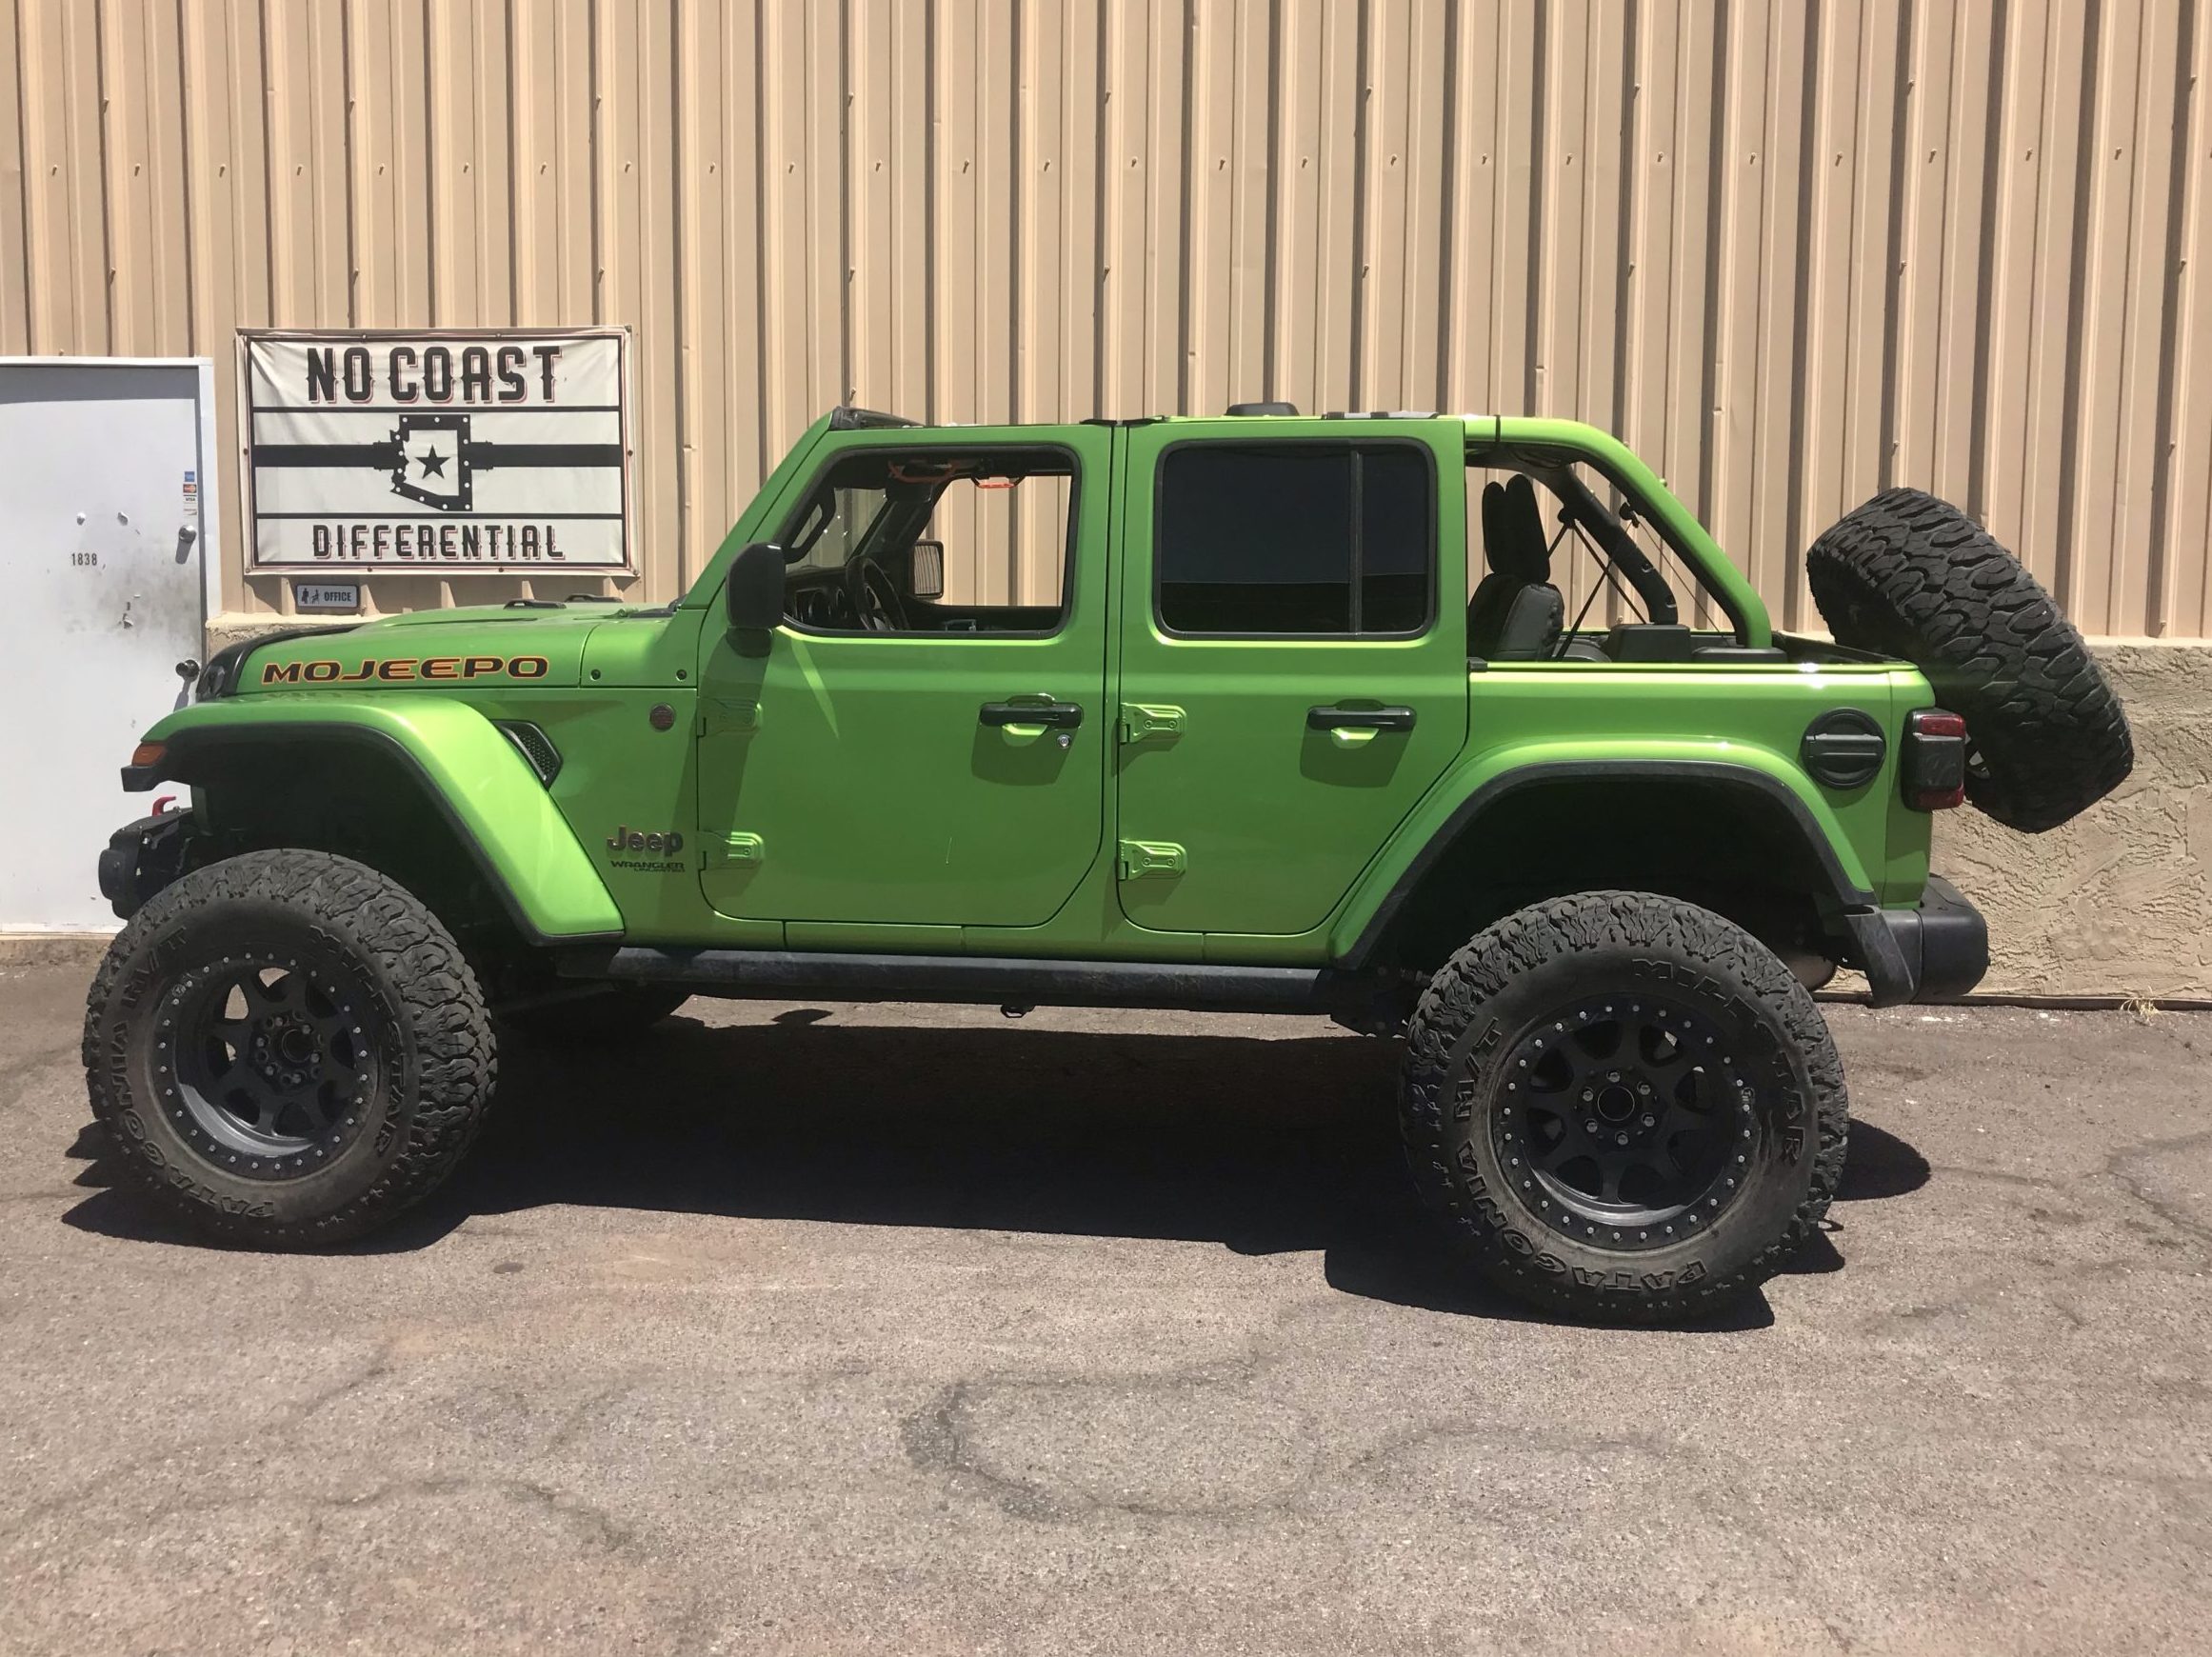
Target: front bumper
column 1935, row 952
column 141, row 858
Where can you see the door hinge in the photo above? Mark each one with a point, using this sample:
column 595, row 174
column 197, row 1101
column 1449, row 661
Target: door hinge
column 722, row 714
column 746, row 849
column 1141, row 858
column 1142, row 719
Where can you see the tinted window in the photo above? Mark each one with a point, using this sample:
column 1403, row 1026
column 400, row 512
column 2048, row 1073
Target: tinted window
column 1295, row 539
column 1397, row 514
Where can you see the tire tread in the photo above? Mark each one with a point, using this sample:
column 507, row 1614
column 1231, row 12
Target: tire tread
column 456, row 1061
column 1533, row 937
column 1910, row 576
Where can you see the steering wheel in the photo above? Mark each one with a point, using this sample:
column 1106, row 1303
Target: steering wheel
column 874, row 598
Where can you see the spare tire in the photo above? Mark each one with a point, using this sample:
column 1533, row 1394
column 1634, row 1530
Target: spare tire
column 1911, row 576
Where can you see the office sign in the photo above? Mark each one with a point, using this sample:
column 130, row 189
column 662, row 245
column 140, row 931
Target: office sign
column 446, row 452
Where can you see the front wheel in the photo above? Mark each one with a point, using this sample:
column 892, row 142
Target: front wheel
column 1625, row 1108
column 288, row 1049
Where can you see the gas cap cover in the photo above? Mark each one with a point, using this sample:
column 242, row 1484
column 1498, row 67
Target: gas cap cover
column 1844, row 749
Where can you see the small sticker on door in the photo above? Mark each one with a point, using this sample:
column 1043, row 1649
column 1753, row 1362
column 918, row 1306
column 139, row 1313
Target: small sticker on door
column 328, row 596
column 192, row 500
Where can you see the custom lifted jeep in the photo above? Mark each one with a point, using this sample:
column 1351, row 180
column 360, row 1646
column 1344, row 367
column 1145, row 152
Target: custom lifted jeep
column 1191, row 713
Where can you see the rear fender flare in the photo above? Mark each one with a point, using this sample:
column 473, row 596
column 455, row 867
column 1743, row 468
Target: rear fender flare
column 1458, row 801
column 486, row 791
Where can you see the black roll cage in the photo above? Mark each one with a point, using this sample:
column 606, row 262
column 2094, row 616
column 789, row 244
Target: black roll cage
column 1580, row 507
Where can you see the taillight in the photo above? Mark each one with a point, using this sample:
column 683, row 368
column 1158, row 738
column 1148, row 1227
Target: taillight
column 1932, row 769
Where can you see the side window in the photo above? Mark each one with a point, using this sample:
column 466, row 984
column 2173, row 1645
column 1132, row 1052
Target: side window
column 1296, row 539
column 934, row 541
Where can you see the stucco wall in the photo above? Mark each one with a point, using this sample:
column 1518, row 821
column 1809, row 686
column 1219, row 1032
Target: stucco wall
column 2119, row 902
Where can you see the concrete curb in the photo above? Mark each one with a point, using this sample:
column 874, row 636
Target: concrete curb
column 53, row 948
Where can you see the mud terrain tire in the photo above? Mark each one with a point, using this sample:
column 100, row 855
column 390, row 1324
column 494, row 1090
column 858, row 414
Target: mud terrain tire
column 1621, row 1016
column 1912, row 576
column 287, row 1048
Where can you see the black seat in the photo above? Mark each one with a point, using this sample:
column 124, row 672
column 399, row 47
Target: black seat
column 1516, row 614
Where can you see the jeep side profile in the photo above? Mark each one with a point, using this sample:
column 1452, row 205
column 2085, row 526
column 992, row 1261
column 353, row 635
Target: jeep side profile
column 1261, row 713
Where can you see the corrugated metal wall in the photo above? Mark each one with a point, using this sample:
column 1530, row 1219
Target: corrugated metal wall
column 1792, row 251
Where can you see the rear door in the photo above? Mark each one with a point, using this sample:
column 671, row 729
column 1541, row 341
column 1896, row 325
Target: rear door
column 1293, row 660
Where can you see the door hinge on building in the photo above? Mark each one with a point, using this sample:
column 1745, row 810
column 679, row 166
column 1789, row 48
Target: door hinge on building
column 1141, row 859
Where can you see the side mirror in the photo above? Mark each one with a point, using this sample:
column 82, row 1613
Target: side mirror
column 925, row 571
column 755, row 587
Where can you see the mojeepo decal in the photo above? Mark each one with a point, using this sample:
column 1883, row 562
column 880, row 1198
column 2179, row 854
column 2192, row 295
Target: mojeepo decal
column 400, row 669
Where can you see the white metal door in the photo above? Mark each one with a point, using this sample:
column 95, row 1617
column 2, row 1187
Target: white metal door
column 102, row 480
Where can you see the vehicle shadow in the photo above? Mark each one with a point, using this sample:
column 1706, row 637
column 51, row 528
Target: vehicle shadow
column 1261, row 1145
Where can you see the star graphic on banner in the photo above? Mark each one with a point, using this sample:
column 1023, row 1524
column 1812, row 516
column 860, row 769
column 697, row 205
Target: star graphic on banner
column 433, row 464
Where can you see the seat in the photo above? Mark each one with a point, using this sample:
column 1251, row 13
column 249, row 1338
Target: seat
column 1516, row 614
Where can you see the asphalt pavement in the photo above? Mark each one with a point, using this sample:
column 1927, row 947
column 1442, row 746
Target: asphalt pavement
column 910, row 1330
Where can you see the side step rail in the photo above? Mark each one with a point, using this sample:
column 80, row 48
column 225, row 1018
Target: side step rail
column 981, row 979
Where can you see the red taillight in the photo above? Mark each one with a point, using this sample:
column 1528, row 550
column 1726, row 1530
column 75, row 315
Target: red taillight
column 1932, row 769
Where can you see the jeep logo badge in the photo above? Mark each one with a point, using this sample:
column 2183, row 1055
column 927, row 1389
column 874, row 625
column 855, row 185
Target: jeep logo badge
column 628, row 839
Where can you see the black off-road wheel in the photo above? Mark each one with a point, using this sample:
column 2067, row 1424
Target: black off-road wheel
column 288, row 1049
column 610, row 1017
column 1625, row 1108
column 1912, row 576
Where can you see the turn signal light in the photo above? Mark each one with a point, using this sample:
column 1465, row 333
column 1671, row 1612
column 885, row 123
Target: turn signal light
column 1932, row 769
column 149, row 753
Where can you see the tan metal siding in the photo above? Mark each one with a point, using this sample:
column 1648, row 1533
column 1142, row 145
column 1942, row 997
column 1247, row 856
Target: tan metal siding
column 1792, row 252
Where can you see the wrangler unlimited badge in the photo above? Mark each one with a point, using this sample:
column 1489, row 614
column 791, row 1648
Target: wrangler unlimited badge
column 404, row 668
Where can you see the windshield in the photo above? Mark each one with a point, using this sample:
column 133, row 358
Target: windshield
column 836, row 524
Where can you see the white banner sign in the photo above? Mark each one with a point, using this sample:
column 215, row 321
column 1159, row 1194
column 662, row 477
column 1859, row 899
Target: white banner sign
column 446, row 452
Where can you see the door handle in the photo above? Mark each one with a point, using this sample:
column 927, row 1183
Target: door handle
column 1358, row 719
column 1065, row 715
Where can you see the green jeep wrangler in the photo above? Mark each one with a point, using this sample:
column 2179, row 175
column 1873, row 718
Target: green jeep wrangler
column 1194, row 713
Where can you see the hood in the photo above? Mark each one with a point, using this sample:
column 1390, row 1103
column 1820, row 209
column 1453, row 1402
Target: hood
column 436, row 648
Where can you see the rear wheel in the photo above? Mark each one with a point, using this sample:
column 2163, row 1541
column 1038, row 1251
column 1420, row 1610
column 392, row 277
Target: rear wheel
column 288, row 1048
column 1625, row 1108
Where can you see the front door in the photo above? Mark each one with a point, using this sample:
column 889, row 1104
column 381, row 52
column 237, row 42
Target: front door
column 1293, row 660
column 923, row 742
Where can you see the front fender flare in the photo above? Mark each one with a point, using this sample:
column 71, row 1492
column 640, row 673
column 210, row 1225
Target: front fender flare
column 486, row 791
column 1467, row 792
